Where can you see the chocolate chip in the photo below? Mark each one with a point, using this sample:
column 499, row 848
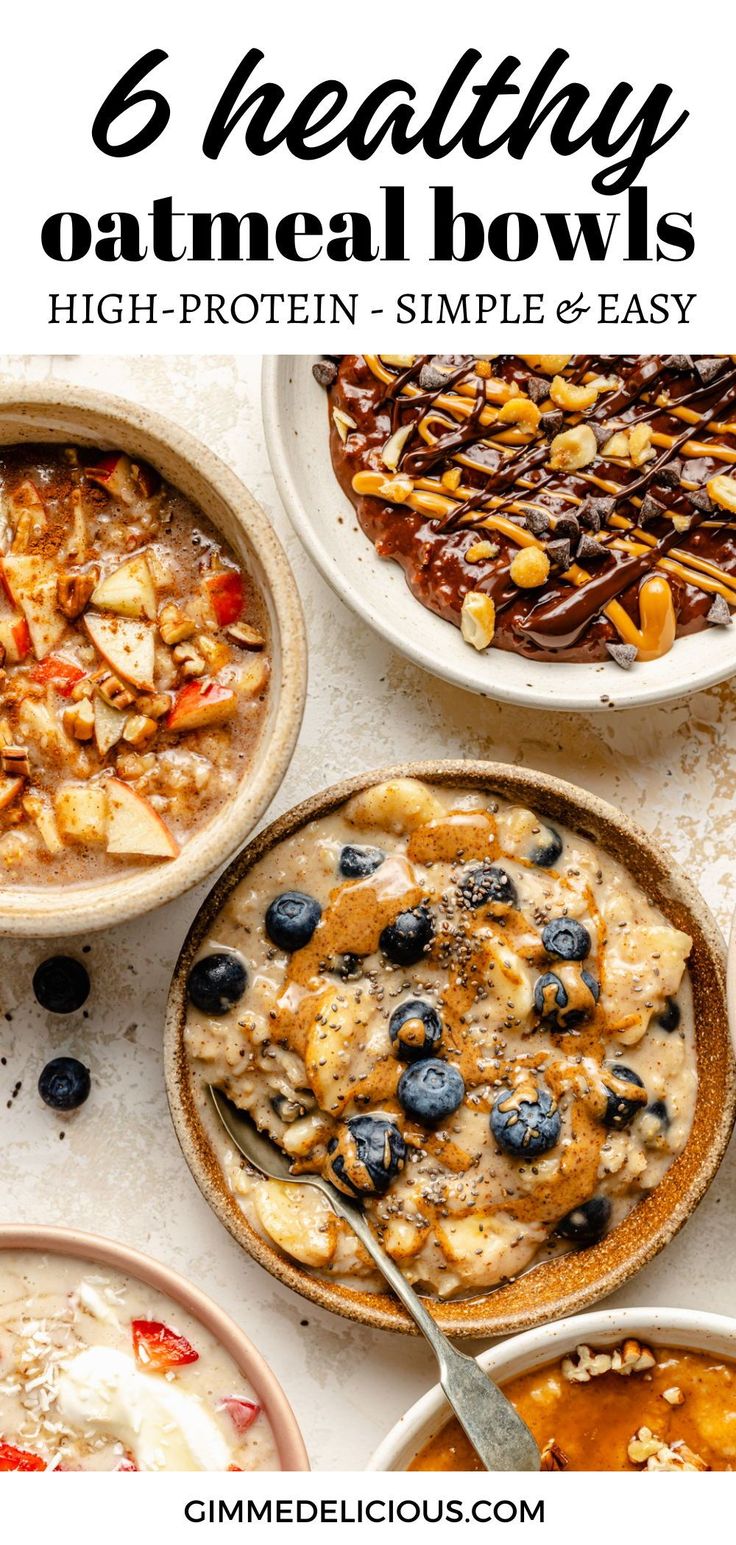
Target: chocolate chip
column 560, row 553
column 595, row 512
column 708, row 369
column 568, row 526
column 552, row 422
column 324, row 372
column 537, row 388
column 603, row 434
column 431, row 379
column 670, row 475
column 651, row 509
column 623, row 654
column 719, row 613
column 537, row 522
column 701, row 500
column 588, row 548
column 682, row 363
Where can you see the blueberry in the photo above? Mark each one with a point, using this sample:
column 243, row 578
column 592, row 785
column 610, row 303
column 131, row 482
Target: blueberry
column 622, row 1108
column 566, row 938
column 61, row 984
column 487, row 885
column 291, row 920
column 356, row 863
column 64, row 1083
column 554, row 1004
column 586, row 1224
column 406, row 939
column 547, row 847
column 216, row 982
column 670, row 1016
column 431, row 1090
column 366, row 1155
column 655, row 1124
column 523, row 1127
column 415, row 1029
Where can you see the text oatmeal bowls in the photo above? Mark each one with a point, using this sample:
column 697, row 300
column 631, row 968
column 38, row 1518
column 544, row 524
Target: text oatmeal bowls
column 152, row 660
column 480, row 1000
column 111, row 1361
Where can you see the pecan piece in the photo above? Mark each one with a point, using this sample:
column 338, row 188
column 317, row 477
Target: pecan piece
column 73, row 592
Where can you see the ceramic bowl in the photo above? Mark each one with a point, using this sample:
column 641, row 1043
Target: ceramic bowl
column 683, row 1329
column 107, row 1253
column 296, row 428
column 54, row 412
column 567, row 1282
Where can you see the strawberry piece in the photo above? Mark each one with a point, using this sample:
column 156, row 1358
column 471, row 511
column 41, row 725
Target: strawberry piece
column 242, row 1413
column 19, row 1459
column 225, row 590
column 127, row 1463
column 64, row 674
column 158, row 1348
column 237, row 1469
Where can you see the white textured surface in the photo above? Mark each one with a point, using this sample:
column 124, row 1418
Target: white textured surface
column 118, row 1170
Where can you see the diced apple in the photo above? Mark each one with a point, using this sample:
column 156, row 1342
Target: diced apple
column 200, row 704
column 26, row 510
column 15, row 638
column 9, row 790
column 109, row 725
column 135, row 828
column 39, row 810
column 75, row 545
column 129, row 590
column 82, row 811
column 253, row 676
column 127, row 646
column 31, row 584
column 122, row 478
column 225, row 590
column 61, row 673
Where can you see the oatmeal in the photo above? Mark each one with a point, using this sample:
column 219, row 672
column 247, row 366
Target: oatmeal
column 99, row 1372
column 564, row 507
column 133, row 666
column 631, row 1407
column 472, row 1020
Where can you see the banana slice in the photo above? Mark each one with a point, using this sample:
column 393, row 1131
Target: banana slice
column 486, row 1249
column 399, row 806
column 329, row 1051
column 299, row 1221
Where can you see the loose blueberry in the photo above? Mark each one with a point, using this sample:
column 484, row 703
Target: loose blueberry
column 547, row 848
column 366, row 1155
column 415, row 1029
column 291, row 920
column 61, row 984
column 216, row 982
column 356, row 863
column 566, row 938
column 487, row 885
column 622, row 1108
column 430, row 1091
column 562, row 1009
column 406, row 939
column 64, row 1083
column 655, row 1124
column 586, row 1225
column 525, row 1128
column 670, row 1016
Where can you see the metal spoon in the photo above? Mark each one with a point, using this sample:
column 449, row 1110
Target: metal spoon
column 500, row 1438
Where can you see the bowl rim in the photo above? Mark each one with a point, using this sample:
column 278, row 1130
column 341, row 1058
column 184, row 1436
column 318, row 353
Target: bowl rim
column 34, row 910
column 593, row 688
column 534, row 1348
column 498, row 1312
column 100, row 1250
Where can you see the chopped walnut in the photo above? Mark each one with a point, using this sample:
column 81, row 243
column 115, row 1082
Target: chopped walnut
column 155, row 704
column 112, row 689
column 589, row 1365
column 674, row 1396
column 646, row 1449
column 244, row 636
column 79, row 719
column 643, row 1446
column 174, row 625
column 189, row 660
column 139, row 729
column 73, row 592
column 632, row 1358
column 553, row 1457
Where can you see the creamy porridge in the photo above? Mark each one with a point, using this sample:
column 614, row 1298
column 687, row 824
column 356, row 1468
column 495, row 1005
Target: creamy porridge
column 473, row 1021
column 133, row 666
column 99, row 1372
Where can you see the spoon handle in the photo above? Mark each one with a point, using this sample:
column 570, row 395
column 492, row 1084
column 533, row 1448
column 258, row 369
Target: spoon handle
column 500, row 1438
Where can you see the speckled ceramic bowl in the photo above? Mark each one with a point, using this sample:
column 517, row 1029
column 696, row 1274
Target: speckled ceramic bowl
column 106, row 1252
column 567, row 1282
column 684, row 1329
column 55, row 412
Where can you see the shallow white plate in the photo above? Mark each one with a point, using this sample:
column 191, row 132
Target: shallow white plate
column 296, row 429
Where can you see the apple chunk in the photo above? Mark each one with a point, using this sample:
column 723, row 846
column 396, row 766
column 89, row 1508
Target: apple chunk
column 81, row 812
column 127, row 645
column 128, row 590
column 200, row 704
column 134, row 827
column 109, row 725
column 31, row 584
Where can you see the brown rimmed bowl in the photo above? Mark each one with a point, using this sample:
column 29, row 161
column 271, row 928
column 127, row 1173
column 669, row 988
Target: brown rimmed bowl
column 108, row 1253
column 59, row 414
column 567, row 1283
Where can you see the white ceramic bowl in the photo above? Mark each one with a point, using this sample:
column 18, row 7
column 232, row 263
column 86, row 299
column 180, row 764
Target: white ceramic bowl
column 296, row 428
column 683, row 1328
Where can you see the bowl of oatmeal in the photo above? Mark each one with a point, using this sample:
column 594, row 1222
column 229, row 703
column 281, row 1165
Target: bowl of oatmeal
column 637, row 1390
column 152, row 661
column 481, row 1002
column 110, row 1361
